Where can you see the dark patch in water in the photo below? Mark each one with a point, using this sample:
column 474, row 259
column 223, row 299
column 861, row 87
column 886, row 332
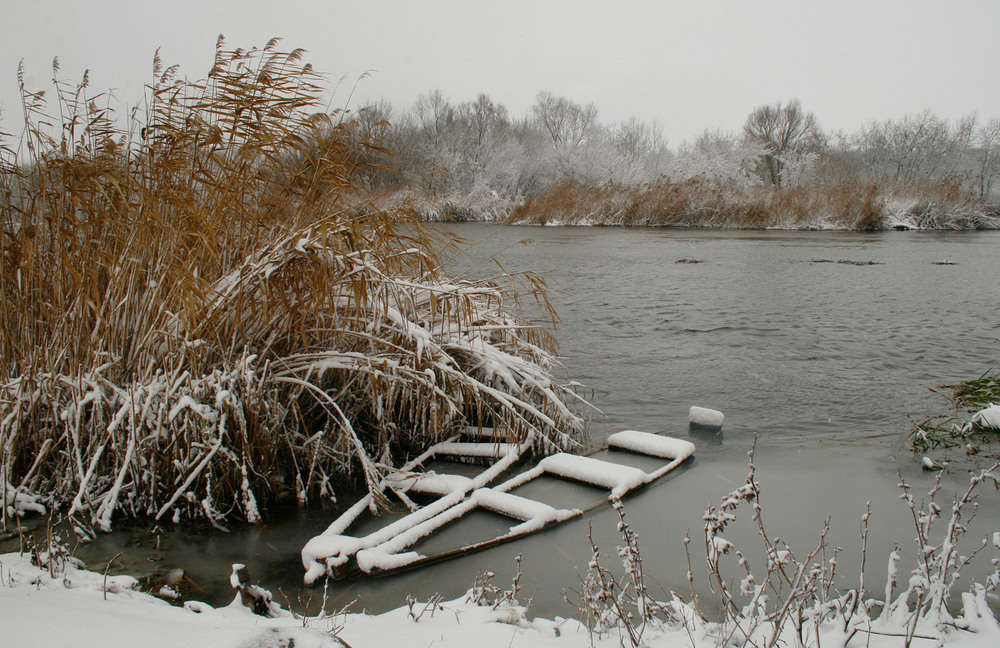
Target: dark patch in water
column 847, row 262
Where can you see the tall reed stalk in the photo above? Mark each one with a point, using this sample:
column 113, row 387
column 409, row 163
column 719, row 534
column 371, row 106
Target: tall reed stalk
column 198, row 313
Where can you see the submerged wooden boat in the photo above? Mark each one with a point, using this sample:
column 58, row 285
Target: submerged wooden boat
column 435, row 499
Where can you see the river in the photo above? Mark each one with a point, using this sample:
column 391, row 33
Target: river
column 822, row 345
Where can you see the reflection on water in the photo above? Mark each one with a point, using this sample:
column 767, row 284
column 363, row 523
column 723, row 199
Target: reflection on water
column 828, row 363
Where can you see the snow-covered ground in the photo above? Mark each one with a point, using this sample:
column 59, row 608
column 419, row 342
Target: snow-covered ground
column 69, row 606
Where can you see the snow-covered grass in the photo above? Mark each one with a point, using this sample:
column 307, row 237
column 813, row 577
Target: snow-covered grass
column 771, row 595
column 198, row 321
column 973, row 424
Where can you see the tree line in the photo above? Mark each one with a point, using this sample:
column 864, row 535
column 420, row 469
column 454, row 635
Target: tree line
column 476, row 160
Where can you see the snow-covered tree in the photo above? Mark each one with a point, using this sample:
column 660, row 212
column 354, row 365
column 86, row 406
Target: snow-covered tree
column 570, row 126
column 988, row 156
column 787, row 133
column 918, row 147
column 641, row 149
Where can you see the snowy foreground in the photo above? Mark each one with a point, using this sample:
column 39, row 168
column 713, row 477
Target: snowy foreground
column 70, row 606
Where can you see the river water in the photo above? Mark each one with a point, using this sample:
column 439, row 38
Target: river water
column 822, row 345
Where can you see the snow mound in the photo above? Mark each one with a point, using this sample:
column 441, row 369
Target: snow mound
column 705, row 417
column 70, row 606
column 19, row 502
column 989, row 417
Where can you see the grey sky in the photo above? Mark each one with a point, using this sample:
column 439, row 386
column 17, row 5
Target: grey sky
column 689, row 65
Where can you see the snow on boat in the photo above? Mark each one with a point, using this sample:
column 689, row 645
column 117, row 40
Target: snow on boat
column 447, row 498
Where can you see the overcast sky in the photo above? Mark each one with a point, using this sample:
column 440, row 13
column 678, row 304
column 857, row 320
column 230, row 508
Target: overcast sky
column 689, row 65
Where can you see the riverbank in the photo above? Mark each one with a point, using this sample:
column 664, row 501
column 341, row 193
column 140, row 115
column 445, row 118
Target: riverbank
column 87, row 611
column 701, row 203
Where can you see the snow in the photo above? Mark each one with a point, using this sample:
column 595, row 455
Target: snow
column 19, row 502
column 486, row 450
column 515, row 506
column 618, row 478
column 651, row 444
column 83, row 609
column 707, row 417
column 335, row 549
column 432, row 483
column 989, row 417
column 390, row 553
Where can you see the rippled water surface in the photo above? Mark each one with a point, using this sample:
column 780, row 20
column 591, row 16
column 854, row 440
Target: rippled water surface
column 780, row 330
column 821, row 344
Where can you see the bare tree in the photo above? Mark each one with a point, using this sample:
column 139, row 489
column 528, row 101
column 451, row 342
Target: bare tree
column 785, row 132
column 641, row 148
column 918, row 148
column 567, row 122
column 489, row 124
column 988, row 144
column 372, row 124
column 570, row 127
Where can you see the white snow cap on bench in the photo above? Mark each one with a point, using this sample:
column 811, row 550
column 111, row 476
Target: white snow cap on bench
column 706, row 417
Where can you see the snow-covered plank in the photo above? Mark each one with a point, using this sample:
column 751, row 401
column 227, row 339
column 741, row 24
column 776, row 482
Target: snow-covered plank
column 391, row 552
column 333, row 550
column 514, row 506
column 393, row 555
column 617, row 478
column 478, row 450
column 388, row 549
column 653, row 445
column 439, row 484
column 481, row 432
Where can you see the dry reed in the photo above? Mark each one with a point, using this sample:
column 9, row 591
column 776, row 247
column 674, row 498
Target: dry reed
column 705, row 202
column 198, row 316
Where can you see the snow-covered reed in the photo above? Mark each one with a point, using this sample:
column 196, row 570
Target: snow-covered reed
column 198, row 317
column 778, row 596
column 706, row 201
